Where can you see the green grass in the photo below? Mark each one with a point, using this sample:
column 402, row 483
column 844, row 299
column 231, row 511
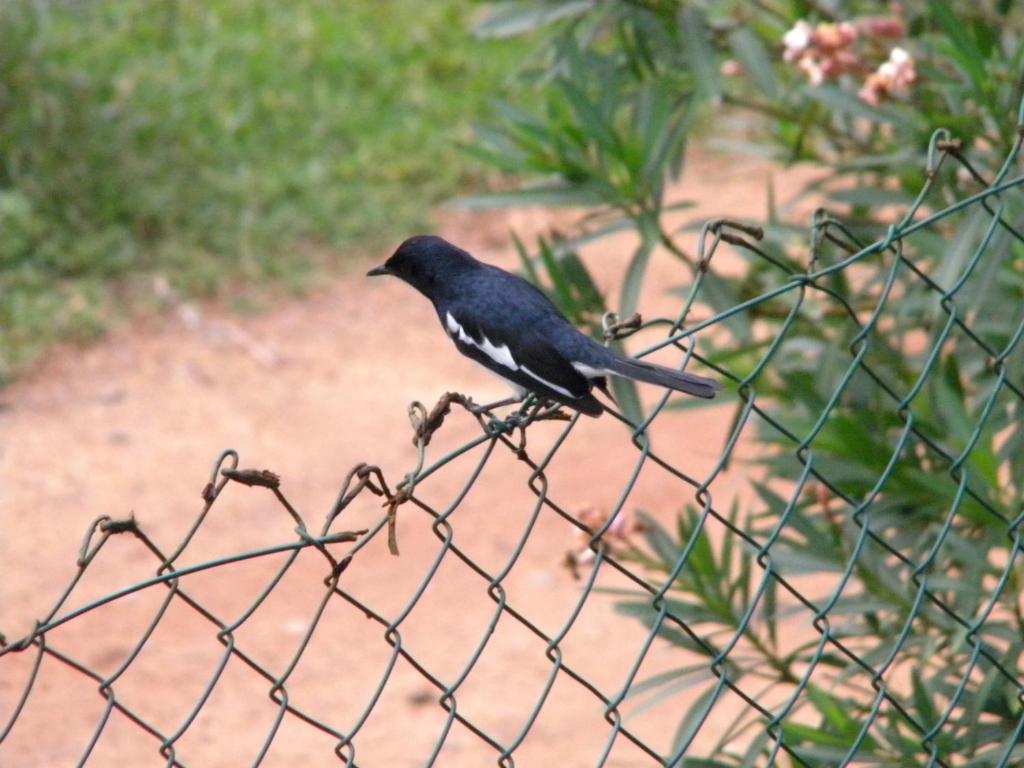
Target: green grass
column 220, row 143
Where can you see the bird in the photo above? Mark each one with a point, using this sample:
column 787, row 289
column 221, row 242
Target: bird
column 511, row 328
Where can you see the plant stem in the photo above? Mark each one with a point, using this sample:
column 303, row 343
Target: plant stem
column 673, row 247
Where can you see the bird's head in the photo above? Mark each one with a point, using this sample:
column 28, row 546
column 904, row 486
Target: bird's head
column 426, row 262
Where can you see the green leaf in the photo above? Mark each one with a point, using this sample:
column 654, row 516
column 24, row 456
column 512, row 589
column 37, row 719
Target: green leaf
column 691, row 722
column 515, row 18
column 846, row 102
column 664, row 126
column 964, row 48
column 695, row 676
column 587, row 299
column 701, row 57
column 976, row 705
column 572, row 290
column 595, row 125
column 830, row 756
column 627, row 397
column 703, row 566
column 927, row 715
column 694, row 403
column 722, row 294
column 871, row 197
column 793, row 562
column 808, row 734
column 663, row 678
column 948, row 406
column 637, row 268
column 658, row 540
column 844, row 435
column 836, row 714
column 756, row 750
column 862, row 162
column 776, row 504
column 858, row 606
column 667, row 631
column 524, row 257
column 596, row 233
column 771, row 607
column 575, row 196
column 758, row 65
column 562, row 294
column 729, row 543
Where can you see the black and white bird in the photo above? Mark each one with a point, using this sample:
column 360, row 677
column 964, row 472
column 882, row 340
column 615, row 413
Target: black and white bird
column 511, row 328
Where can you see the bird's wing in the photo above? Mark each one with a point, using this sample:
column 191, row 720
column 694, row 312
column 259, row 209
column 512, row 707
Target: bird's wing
column 540, row 361
column 519, row 353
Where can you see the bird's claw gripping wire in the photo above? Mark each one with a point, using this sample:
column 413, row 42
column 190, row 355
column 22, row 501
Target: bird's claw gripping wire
column 480, row 410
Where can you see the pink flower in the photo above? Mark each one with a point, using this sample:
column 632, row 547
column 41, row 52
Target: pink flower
column 839, row 62
column 833, row 37
column 884, row 28
column 900, row 71
column 871, row 92
column 615, row 538
column 892, row 78
column 823, row 52
column 811, row 66
column 619, row 527
column 731, row 68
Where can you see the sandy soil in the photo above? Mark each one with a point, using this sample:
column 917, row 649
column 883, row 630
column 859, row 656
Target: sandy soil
column 309, row 390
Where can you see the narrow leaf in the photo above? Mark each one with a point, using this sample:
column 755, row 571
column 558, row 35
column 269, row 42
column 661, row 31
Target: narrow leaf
column 637, row 268
column 628, row 398
column 576, row 196
column 699, row 52
column 843, row 101
column 515, row 18
column 757, row 64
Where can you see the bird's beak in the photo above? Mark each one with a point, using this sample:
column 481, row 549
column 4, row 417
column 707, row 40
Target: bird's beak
column 381, row 270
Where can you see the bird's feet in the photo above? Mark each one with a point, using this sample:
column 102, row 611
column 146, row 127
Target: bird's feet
column 517, row 419
column 480, row 410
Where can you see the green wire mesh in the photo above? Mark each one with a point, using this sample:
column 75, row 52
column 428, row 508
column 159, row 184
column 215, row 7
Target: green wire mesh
column 929, row 731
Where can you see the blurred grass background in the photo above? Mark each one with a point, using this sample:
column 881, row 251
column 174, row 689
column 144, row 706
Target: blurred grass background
column 218, row 144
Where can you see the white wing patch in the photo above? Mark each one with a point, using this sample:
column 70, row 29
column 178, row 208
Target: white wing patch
column 591, row 373
column 502, row 356
column 454, row 329
column 546, row 383
column 499, row 354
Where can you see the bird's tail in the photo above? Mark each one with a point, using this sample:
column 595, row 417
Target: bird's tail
column 681, row 381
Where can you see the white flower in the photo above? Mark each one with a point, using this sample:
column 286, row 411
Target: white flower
column 899, row 56
column 797, row 40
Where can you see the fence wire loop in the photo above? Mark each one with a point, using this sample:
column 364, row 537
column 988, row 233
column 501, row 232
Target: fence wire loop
column 615, row 328
column 425, row 424
column 263, row 478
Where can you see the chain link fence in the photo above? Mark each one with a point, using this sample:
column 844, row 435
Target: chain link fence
column 836, row 612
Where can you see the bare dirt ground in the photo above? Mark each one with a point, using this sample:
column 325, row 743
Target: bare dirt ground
column 308, row 390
